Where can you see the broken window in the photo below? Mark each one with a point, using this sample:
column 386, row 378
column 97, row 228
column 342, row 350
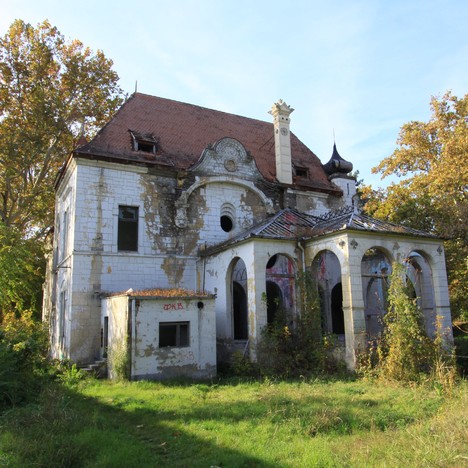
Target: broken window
column 226, row 223
column 145, row 142
column 302, row 172
column 127, row 238
column 228, row 214
column 174, row 334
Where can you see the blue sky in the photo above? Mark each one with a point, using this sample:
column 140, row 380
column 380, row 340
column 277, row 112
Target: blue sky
column 358, row 69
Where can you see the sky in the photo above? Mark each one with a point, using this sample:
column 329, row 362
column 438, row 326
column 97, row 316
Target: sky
column 354, row 71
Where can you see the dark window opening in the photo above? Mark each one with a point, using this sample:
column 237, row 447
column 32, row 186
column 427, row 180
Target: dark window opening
column 337, row 310
column 174, row 334
column 146, row 147
column 226, row 223
column 274, row 300
column 239, row 306
column 145, row 142
column 127, row 237
column 272, row 261
column 301, row 172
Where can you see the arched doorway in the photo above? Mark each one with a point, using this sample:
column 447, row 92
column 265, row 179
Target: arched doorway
column 280, row 286
column 337, row 310
column 239, row 311
column 239, row 301
column 375, row 271
column 326, row 270
column 420, row 286
column 274, row 300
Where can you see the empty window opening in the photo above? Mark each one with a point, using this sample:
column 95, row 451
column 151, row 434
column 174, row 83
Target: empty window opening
column 174, row 334
column 239, row 306
column 226, row 223
column 127, row 237
column 337, row 310
column 274, row 300
column 145, row 142
column 272, row 261
column 301, row 172
column 146, row 147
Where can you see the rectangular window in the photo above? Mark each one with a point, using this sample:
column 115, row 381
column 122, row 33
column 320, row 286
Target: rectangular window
column 301, row 172
column 175, row 334
column 64, row 234
column 127, row 237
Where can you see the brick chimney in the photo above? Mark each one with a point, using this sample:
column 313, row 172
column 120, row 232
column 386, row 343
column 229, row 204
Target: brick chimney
column 280, row 112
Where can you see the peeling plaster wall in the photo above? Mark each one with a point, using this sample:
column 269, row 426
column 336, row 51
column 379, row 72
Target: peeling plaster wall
column 116, row 310
column 205, row 212
column 255, row 255
column 198, row 360
column 350, row 248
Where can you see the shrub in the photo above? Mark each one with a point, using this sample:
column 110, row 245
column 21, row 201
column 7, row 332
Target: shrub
column 404, row 351
column 23, row 358
column 119, row 361
column 295, row 346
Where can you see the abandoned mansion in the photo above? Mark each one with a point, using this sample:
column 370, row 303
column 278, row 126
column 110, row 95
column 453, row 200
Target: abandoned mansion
column 181, row 230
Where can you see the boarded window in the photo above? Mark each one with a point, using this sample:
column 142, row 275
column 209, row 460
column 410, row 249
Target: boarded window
column 174, row 334
column 127, row 238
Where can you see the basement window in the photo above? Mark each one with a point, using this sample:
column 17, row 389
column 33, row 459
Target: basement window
column 127, row 236
column 174, row 334
column 145, row 142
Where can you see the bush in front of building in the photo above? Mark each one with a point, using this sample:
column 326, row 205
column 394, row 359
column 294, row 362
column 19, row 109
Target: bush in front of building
column 294, row 346
column 23, row 358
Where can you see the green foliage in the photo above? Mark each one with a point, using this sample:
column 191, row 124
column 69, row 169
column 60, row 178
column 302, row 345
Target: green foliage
column 67, row 373
column 460, row 335
column 431, row 161
column 404, row 352
column 23, row 358
column 241, row 365
column 237, row 423
column 119, row 360
column 405, row 349
column 51, row 92
column 293, row 348
column 22, row 266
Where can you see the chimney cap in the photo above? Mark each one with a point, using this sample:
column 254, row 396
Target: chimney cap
column 280, row 108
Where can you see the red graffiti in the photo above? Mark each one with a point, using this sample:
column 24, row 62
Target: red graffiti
column 178, row 306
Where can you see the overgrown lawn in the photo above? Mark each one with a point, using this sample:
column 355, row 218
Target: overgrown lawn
column 238, row 423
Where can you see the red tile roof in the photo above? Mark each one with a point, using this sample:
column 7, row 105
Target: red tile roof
column 184, row 130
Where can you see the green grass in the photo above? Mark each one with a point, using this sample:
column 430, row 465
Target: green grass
column 238, row 423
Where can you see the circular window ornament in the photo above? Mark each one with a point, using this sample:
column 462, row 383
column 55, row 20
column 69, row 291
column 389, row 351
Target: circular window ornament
column 230, row 165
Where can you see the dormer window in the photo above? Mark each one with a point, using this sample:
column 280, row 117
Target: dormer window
column 302, row 172
column 145, row 142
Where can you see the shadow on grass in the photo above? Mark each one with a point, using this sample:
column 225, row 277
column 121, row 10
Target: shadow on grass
column 67, row 429
column 179, row 423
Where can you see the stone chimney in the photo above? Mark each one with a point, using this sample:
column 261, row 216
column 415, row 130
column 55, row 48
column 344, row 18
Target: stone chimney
column 280, row 112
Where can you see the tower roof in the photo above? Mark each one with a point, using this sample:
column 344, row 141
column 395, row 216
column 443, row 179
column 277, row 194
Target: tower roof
column 337, row 165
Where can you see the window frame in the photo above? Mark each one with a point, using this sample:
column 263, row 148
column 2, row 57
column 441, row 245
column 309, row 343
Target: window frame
column 178, row 325
column 124, row 229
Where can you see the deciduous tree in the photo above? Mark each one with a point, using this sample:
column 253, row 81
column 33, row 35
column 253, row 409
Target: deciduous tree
column 52, row 91
column 432, row 161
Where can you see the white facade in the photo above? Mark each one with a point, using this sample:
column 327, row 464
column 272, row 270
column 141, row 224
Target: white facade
column 222, row 226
